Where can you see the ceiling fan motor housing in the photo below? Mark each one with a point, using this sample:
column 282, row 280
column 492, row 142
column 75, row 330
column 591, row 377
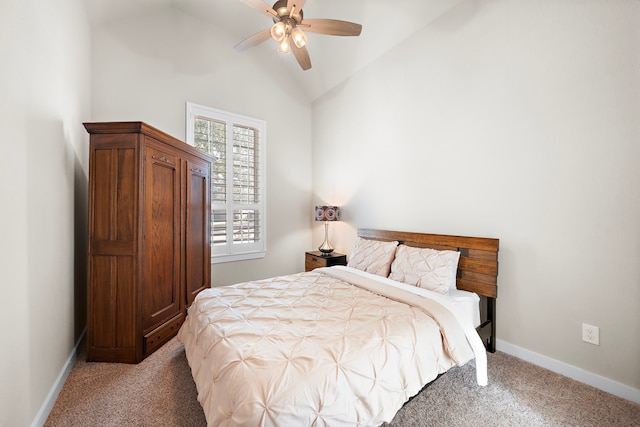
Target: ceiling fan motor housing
column 281, row 9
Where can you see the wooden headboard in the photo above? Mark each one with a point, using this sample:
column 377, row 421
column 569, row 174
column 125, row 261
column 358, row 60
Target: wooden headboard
column 477, row 268
column 478, row 265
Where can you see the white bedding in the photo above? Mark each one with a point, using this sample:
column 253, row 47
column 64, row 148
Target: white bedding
column 465, row 306
column 313, row 349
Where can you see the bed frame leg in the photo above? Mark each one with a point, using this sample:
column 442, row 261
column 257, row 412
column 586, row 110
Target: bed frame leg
column 491, row 316
column 487, row 329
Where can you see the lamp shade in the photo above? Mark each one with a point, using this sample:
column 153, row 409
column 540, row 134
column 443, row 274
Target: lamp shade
column 328, row 213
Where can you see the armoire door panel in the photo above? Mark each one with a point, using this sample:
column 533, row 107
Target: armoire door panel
column 126, row 198
column 113, row 178
column 112, row 301
column 198, row 250
column 125, row 300
column 161, row 299
column 102, row 184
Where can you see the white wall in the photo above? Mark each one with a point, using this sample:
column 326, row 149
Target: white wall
column 146, row 67
column 44, row 97
column 500, row 119
column 516, row 120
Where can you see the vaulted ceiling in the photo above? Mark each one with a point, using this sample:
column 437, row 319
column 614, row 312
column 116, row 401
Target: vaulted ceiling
column 385, row 24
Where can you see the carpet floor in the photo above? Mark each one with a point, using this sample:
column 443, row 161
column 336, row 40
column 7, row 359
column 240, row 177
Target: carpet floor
column 160, row 392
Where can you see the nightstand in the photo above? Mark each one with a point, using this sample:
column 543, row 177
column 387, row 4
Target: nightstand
column 314, row 259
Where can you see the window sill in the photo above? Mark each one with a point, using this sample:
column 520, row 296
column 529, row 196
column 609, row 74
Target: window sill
column 219, row 259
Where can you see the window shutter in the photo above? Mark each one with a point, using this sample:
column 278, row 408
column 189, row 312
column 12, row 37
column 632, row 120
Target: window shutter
column 237, row 182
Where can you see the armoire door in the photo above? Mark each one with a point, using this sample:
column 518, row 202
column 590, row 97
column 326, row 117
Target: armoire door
column 161, row 238
column 198, row 229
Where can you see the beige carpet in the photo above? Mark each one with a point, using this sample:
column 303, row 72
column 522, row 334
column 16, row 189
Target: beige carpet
column 160, row 392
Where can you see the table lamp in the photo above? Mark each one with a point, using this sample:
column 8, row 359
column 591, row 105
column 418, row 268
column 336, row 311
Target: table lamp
column 327, row 214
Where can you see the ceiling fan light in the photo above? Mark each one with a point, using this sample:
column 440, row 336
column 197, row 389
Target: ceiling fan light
column 278, row 31
column 299, row 37
column 283, row 46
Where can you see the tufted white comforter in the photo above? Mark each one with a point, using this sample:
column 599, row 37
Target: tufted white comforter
column 317, row 348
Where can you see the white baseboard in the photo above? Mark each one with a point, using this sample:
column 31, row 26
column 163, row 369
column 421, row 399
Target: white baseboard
column 47, row 405
column 605, row 384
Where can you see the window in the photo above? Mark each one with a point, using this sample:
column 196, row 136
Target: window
column 237, row 180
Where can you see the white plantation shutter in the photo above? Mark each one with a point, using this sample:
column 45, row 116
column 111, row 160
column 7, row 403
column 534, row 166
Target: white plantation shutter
column 237, row 180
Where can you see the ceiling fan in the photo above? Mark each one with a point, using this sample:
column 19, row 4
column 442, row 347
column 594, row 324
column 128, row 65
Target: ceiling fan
column 288, row 26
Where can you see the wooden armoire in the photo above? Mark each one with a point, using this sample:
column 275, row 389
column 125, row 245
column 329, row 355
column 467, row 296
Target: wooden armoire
column 149, row 238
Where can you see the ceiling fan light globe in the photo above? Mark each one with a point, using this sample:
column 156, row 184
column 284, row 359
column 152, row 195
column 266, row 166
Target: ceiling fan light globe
column 283, row 46
column 278, row 31
column 299, row 37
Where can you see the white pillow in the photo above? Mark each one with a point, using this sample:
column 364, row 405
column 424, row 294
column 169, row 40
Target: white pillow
column 373, row 256
column 425, row 268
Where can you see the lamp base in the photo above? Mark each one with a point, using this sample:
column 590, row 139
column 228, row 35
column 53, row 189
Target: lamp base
column 325, row 252
column 326, row 247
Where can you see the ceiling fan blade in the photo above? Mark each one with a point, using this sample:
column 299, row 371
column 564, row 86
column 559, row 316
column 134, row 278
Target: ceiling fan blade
column 302, row 56
column 253, row 40
column 333, row 27
column 299, row 4
column 262, row 7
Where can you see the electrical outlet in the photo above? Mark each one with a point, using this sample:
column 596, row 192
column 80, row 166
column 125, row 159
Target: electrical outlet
column 590, row 334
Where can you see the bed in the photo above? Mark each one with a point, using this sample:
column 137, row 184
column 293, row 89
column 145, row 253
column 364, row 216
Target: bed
column 344, row 345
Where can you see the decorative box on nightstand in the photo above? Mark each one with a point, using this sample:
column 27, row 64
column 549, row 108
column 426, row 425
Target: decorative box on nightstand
column 314, row 259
